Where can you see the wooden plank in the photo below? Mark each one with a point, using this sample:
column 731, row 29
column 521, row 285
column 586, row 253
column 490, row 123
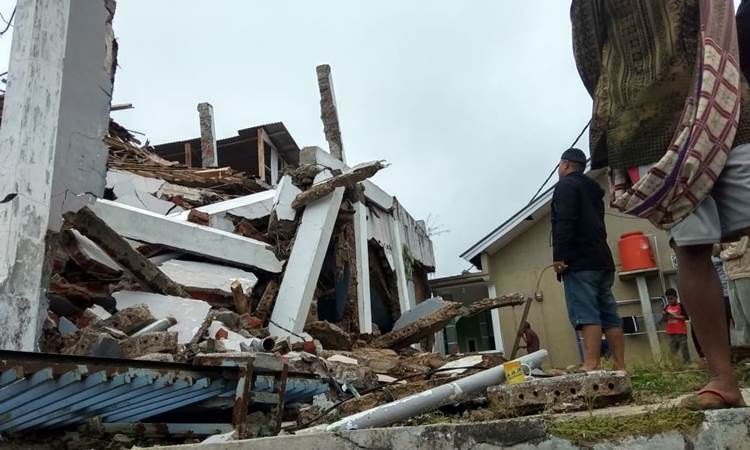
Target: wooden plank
column 241, row 303
column 525, row 314
column 188, row 154
column 261, row 155
column 146, row 272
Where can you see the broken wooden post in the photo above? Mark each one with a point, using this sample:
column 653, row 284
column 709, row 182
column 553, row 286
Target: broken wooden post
column 188, row 154
column 146, row 272
column 265, row 305
column 329, row 112
column 209, row 156
column 241, row 303
column 525, row 314
column 350, row 177
column 305, row 262
column 55, row 117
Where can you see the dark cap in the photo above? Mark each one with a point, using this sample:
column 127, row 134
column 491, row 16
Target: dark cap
column 574, row 155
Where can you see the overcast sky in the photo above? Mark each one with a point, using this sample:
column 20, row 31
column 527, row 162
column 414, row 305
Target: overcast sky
column 471, row 102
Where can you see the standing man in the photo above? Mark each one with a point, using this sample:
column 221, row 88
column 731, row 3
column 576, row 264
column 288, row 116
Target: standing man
column 737, row 266
column 530, row 337
column 676, row 327
column 583, row 260
column 651, row 68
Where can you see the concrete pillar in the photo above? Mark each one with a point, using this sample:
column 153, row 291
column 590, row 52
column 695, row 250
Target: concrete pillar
column 329, row 112
column 497, row 330
column 55, row 117
column 363, row 268
column 209, row 156
column 402, row 282
column 305, row 262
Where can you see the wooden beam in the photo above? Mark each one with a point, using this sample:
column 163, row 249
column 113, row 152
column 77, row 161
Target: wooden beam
column 261, row 155
column 188, row 154
column 241, row 303
column 349, row 178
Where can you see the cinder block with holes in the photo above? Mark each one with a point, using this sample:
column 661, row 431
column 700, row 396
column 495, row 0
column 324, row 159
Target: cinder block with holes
column 564, row 393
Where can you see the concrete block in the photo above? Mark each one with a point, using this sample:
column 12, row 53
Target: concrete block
column 156, row 342
column 285, row 194
column 189, row 314
column 564, row 393
column 331, row 337
column 149, row 227
column 208, row 278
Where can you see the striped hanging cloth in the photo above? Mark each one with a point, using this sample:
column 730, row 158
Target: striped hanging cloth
column 685, row 175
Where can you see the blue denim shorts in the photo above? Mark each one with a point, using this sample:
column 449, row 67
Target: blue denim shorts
column 588, row 295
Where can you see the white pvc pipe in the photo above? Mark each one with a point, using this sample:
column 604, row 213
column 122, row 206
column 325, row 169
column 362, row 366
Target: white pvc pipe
column 433, row 398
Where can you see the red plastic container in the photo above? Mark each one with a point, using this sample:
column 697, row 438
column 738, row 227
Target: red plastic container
column 635, row 252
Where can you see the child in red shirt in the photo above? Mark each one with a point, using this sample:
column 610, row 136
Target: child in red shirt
column 675, row 317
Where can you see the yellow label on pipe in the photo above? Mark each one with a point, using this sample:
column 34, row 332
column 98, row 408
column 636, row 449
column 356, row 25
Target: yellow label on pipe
column 514, row 372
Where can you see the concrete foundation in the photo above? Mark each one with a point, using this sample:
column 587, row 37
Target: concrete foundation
column 56, row 114
column 721, row 429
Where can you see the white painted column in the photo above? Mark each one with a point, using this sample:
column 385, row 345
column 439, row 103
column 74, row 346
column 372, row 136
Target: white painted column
column 648, row 316
column 497, row 330
column 55, row 117
column 303, row 269
column 398, row 261
column 209, row 152
column 363, row 268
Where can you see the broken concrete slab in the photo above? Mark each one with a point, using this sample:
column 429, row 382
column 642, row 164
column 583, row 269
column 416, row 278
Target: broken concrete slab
column 285, row 194
column 93, row 227
column 574, row 392
column 142, row 225
column 207, row 277
column 144, row 344
column 89, row 256
column 66, row 327
column 419, row 329
column 423, row 309
column 251, row 207
column 458, row 366
column 148, row 202
column 331, row 337
column 127, row 183
column 189, row 314
column 306, row 260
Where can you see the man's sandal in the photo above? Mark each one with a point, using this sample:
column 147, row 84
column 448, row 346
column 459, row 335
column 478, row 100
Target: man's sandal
column 693, row 401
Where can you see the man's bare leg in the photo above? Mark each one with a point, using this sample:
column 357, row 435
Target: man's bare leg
column 701, row 291
column 616, row 340
column 592, row 346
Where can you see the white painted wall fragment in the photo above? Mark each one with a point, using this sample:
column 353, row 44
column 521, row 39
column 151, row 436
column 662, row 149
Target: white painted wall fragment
column 56, row 114
column 402, row 283
column 363, row 268
column 189, row 314
column 253, row 206
column 208, row 277
column 125, row 183
column 303, row 269
column 92, row 251
column 146, row 201
column 285, row 194
column 142, row 225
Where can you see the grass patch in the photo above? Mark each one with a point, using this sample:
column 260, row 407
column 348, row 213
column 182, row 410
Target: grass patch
column 593, row 428
column 653, row 382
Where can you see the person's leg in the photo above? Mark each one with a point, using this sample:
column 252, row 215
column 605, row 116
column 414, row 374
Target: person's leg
column 616, row 337
column 698, row 348
column 580, row 299
column 742, row 291
column 592, row 342
column 701, row 292
column 610, row 320
column 738, row 328
column 684, row 348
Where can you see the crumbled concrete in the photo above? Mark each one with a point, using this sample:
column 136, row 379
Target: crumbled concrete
column 723, row 429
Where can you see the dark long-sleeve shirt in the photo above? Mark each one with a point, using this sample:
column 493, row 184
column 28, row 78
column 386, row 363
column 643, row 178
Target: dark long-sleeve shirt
column 579, row 236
